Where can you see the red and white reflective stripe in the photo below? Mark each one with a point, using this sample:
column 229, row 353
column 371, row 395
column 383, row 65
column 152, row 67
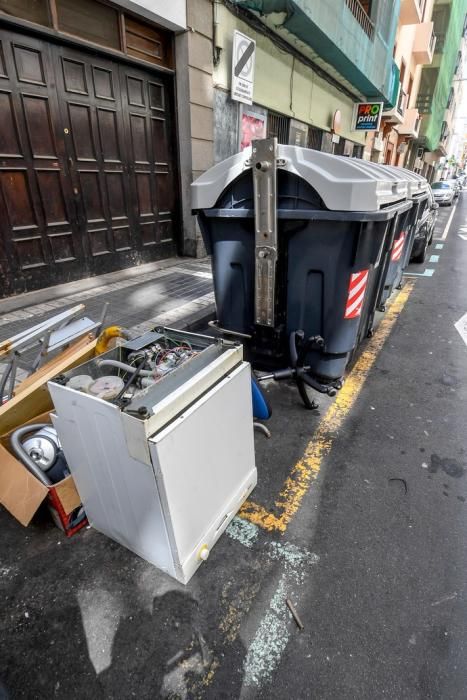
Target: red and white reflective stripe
column 398, row 247
column 357, row 288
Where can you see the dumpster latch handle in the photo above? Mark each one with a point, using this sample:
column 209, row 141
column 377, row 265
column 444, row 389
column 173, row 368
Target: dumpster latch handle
column 264, row 168
column 299, row 347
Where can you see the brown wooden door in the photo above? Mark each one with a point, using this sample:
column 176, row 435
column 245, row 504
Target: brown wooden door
column 88, row 177
column 147, row 111
column 40, row 241
column 92, row 119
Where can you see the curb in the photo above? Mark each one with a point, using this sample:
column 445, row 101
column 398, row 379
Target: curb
column 41, row 296
column 198, row 321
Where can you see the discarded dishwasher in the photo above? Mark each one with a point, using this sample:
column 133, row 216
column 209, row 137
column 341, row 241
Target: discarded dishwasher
column 158, row 435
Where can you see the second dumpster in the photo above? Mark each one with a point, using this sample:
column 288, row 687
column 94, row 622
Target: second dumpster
column 298, row 239
column 417, row 193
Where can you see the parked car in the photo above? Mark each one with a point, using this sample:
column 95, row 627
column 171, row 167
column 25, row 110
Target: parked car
column 424, row 233
column 443, row 193
column 456, row 186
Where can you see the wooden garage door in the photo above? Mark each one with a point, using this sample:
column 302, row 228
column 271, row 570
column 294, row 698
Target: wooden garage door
column 87, row 164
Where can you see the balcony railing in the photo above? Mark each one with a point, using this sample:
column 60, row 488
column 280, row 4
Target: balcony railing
column 424, row 100
column 440, row 39
column 444, row 131
column 402, row 102
column 433, row 41
column 361, row 16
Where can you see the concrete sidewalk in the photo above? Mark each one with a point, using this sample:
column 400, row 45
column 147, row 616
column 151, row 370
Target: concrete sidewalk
column 174, row 292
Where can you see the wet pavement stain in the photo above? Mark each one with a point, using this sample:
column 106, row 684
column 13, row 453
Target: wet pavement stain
column 448, row 380
column 449, row 466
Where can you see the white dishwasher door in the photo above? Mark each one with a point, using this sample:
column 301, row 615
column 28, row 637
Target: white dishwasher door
column 204, row 465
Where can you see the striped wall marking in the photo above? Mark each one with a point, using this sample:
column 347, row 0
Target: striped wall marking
column 356, row 294
column 429, row 272
column 434, row 259
column 308, row 467
column 439, row 246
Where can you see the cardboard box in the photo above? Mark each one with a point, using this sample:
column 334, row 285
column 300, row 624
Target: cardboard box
column 32, row 395
column 22, row 493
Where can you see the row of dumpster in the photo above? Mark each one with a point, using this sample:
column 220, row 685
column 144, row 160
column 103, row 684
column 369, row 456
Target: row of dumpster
column 306, row 247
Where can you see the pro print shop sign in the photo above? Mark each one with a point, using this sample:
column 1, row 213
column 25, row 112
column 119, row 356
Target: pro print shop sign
column 368, row 116
column 243, row 68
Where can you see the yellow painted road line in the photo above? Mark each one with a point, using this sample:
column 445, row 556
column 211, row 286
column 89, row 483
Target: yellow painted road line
column 307, row 468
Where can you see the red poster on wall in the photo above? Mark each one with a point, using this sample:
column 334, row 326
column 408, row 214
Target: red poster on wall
column 253, row 126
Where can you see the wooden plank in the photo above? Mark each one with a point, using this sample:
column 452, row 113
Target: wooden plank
column 51, row 364
column 35, row 398
column 40, row 328
column 54, row 14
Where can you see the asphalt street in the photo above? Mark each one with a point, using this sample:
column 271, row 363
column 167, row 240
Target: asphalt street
column 385, row 608
column 359, row 519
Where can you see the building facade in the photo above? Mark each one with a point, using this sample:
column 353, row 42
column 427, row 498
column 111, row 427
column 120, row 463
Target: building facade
column 414, row 47
column 454, row 116
column 436, row 97
column 100, row 108
column 110, row 108
column 314, row 62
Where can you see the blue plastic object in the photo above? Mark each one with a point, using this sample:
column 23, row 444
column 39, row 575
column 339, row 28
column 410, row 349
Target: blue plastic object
column 261, row 407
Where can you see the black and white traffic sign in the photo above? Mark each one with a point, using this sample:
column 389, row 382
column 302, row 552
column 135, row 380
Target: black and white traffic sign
column 243, row 68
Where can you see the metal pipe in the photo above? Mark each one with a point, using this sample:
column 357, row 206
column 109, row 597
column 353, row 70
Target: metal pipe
column 122, row 365
column 20, row 452
column 130, row 380
column 226, row 331
column 3, row 383
column 216, row 50
column 262, row 429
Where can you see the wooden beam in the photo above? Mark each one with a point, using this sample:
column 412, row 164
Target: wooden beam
column 121, row 24
column 32, row 396
column 53, row 13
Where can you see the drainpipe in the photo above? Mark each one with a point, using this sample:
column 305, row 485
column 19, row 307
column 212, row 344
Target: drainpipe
column 216, row 50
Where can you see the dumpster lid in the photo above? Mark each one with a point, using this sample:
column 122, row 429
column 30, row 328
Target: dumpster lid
column 417, row 185
column 344, row 184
